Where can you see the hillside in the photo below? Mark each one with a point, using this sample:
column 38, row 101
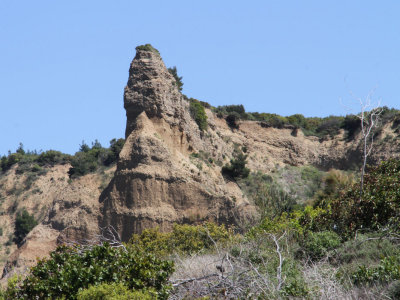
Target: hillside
column 170, row 169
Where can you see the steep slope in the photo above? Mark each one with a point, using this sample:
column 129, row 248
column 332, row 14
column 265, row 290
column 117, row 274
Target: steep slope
column 168, row 171
column 156, row 183
column 67, row 211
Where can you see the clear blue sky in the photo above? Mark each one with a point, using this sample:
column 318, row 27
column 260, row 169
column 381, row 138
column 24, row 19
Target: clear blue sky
column 64, row 64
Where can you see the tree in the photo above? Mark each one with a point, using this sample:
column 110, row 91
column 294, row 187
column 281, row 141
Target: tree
column 198, row 113
column 237, row 167
column 178, row 79
column 24, row 223
column 68, row 270
column 369, row 120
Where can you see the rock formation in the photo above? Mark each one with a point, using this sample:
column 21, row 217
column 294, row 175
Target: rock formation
column 156, row 183
column 168, row 171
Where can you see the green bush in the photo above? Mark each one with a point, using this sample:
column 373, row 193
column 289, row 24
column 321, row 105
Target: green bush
column 88, row 159
column 185, row 239
column 52, row 157
column 233, row 120
column 24, row 223
column 379, row 205
column 113, row 291
column 388, row 270
column 269, row 196
column 178, row 79
column 198, row 113
column 318, row 244
column 8, row 161
column 237, row 167
column 352, row 124
column 71, row 269
column 147, row 47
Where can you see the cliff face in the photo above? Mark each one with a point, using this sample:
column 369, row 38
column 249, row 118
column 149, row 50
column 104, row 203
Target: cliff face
column 156, row 182
column 168, row 171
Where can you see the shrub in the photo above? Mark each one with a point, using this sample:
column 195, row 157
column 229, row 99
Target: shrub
column 113, row 291
column 379, row 205
column 71, row 269
column 178, row 79
column 8, row 161
column 317, row 244
column 237, row 167
column 24, row 223
column 352, row 124
column 83, row 163
column 52, row 157
column 198, row 113
column 89, row 159
column 387, row 271
column 233, row 120
column 185, row 239
column 271, row 199
column 113, row 153
column 147, row 47
column 297, row 120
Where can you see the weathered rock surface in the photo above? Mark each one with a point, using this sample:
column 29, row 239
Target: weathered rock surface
column 156, row 183
column 68, row 212
column 168, row 171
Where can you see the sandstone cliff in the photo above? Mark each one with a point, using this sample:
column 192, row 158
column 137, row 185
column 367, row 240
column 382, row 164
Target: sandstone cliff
column 168, row 171
column 156, row 182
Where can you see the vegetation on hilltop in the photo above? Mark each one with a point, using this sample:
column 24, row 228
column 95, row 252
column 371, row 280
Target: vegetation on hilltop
column 87, row 159
column 311, row 126
column 148, row 47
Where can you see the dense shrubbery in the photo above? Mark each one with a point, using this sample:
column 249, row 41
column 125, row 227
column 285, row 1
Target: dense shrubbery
column 237, row 167
column 271, row 198
column 114, row 291
column 185, row 239
column 379, row 205
column 24, row 223
column 148, row 47
column 178, row 79
column 317, row 244
column 89, row 159
column 86, row 160
column 26, row 159
column 320, row 127
column 71, row 269
column 198, row 113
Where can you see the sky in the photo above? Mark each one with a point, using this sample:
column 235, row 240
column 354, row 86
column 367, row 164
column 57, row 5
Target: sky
column 64, row 64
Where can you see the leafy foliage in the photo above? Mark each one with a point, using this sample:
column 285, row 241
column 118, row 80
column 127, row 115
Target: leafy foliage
column 71, row 269
column 233, row 120
column 114, row 291
column 198, row 113
column 185, row 239
column 269, row 196
column 237, row 167
column 378, row 207
column 148, row 47
column 24, row 223
column 90, row 159
column 388, row 270
column 178, row 79
column 317, row 244
column 314, row 126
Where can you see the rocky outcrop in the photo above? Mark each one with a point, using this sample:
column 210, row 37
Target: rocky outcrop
column 168, row 171
column 156, row 182
column 68, row 213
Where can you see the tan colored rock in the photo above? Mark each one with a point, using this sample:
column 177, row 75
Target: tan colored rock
column 156, row 183
column 158, row 180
